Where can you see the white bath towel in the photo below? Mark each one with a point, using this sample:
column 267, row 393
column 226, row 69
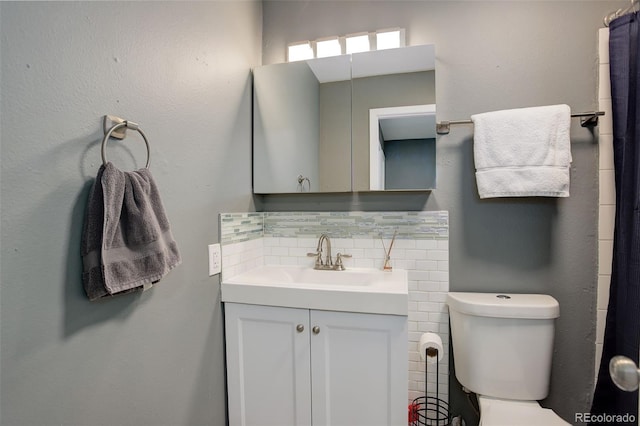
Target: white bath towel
column 523, row 152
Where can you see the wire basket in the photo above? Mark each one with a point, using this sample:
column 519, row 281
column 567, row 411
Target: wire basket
column 429, row 410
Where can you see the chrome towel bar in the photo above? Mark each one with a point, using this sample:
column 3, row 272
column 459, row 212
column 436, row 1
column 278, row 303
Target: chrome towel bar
column 587, row 119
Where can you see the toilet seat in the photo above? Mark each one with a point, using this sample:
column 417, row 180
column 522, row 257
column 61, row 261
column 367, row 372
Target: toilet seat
column 503, row 412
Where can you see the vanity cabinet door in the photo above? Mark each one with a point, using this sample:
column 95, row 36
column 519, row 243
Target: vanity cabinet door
column 288, row 366
column 359, row 368
column 268, row 365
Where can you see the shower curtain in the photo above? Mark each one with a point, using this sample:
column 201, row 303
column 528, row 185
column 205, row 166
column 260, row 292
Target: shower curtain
column 622, row 330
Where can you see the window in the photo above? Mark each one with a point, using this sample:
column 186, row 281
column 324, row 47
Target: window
column 389, row 39
column 357, row 43
column 300, row 52
column 353, row 43
column 328, row 47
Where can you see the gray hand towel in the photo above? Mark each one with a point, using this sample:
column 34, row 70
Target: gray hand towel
column 126, row 240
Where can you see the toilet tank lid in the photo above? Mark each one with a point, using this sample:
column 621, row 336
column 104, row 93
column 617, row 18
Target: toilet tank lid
column 504, row 305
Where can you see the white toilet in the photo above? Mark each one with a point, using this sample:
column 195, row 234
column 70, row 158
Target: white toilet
column 502, row 348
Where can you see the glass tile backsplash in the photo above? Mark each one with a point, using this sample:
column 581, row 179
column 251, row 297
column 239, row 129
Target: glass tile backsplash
column 237, row 227
column 409, row 225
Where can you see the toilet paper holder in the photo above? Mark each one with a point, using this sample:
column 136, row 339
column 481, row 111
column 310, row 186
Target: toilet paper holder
column 431, row 352
column 430, row 410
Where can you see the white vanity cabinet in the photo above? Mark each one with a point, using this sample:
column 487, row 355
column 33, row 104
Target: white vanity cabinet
column 291, row 366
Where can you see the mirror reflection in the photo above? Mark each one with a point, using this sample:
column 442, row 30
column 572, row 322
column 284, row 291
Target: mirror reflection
column 314, row 123
column 302, row 126
column 394, row 78
column 402, row 148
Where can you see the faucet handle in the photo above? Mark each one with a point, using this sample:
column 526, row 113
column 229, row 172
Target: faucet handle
column 318, row 256
column 339, row 265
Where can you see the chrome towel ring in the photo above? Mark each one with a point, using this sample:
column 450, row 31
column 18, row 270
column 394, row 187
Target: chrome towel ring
column 124, row 124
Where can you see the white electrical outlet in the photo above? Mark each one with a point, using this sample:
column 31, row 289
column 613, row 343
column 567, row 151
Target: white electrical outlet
column 215, row 259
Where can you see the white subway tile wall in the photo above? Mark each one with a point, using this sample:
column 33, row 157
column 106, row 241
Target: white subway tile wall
column 607, row 191
column 241, row 241
column 421, row 247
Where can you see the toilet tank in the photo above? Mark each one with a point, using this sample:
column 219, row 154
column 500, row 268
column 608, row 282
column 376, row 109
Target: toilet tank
column 503, row 343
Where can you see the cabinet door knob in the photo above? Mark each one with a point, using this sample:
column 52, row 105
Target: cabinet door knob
column 299, row 328
column 316, row 330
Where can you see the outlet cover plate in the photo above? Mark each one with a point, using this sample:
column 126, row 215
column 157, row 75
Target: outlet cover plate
column 215, row 259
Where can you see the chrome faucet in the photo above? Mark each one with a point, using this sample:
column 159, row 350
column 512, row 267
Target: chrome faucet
column 327, row 263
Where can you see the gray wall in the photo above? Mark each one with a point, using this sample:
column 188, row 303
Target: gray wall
column 182, row 70
column 407, row 164
column 491, row 55
column 335, row 137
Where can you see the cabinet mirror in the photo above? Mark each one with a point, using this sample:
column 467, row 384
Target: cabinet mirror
column 312, row 123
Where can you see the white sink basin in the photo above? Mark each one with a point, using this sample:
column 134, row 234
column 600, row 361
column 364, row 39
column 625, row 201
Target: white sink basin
column 352, row 290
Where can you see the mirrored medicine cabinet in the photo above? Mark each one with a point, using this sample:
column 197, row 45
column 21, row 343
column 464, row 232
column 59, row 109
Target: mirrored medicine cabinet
column 359, row 122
